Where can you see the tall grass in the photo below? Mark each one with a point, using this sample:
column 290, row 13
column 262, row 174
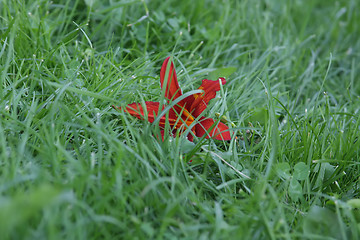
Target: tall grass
column 74, row 168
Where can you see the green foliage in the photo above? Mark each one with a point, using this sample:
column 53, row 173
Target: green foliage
column 74, row 168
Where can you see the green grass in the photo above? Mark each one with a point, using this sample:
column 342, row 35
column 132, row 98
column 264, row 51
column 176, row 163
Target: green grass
column 71, row 167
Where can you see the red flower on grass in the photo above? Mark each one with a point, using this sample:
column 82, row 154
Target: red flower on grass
column 186, row 111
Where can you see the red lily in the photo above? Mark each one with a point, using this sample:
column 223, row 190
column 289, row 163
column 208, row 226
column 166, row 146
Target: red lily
column 186, row 111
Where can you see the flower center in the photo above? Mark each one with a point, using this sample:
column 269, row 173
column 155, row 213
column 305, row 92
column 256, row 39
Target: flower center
column 185, row 120
column 189, row 119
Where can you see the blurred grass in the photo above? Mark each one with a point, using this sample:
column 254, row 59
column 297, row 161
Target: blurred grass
column 74, row 168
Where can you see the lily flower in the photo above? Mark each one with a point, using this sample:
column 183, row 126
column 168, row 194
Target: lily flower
column 185, row 113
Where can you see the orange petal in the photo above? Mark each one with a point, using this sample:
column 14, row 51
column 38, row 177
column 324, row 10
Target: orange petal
column 198, row 102
column 219, row 132
column 173, row 90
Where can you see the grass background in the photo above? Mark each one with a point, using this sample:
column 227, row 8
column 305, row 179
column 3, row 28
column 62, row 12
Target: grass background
column 74, row 168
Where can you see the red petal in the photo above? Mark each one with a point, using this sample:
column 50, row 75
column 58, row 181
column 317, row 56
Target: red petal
column 136, row 110
column 161, row 136
column 173, row 90
column 152, row 108
column 197, row 103
column 190, row 137
column 219, row 132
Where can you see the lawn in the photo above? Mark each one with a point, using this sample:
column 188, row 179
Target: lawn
column 73, row 167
